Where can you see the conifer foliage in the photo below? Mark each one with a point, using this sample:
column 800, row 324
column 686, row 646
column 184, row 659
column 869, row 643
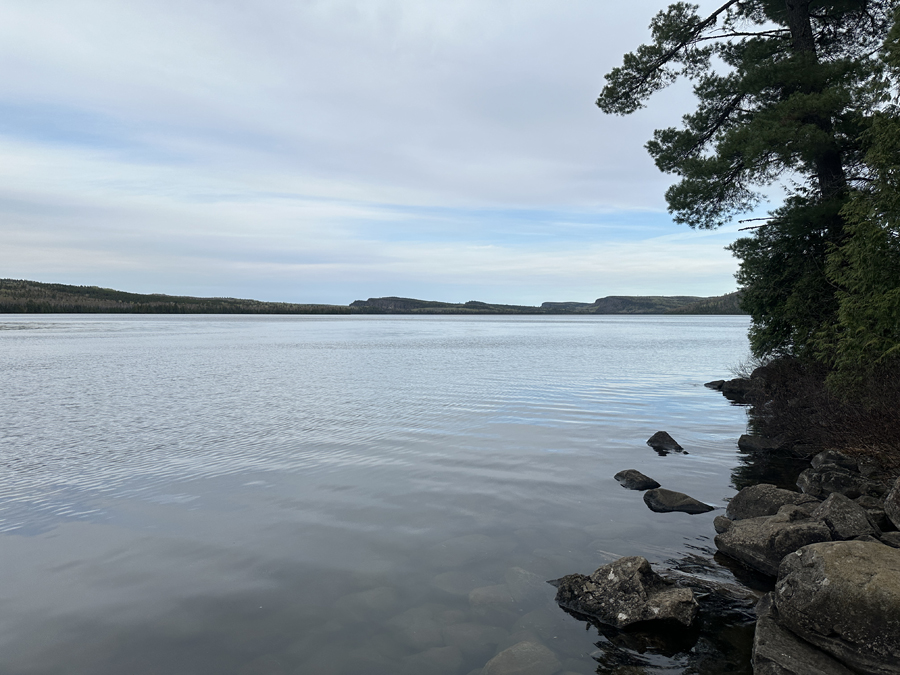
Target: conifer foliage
column 795, row 93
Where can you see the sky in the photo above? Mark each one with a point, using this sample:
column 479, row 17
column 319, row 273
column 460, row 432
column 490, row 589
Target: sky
column 335, row 150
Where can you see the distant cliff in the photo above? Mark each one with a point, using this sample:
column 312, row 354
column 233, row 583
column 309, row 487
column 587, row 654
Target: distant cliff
column 33, row 297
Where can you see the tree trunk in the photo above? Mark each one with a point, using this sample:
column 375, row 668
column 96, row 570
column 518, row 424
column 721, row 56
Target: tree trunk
column 829, row 166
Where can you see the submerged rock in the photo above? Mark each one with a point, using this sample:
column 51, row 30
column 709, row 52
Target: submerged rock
column 777, row 651
column 844, row 598
column 765, row 500
column 632, row 479
column 666, row 501
column 626, row 592
column 761, row 543
column 524, row 658
column 662, row 442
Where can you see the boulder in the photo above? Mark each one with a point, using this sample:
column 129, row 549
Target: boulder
column 626, row 592
column 524, row 658
column 662, row 442
column 834, row 458
column 777, row 651
column 761, row 543
column 666, row 501
column 875, row 509
column 832, row 478
column 844, row 598
column 721, row 524
column 765, row 500
column 892, row 504
column 845, row 518
column 632, row 479
column 890, row 539
column 715, row 384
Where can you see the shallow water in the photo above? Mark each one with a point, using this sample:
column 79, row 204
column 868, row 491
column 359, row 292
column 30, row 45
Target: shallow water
column 340, row 494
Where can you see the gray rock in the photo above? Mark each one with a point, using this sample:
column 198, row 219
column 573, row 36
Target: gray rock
column 845, row 518
column 765, row 500
column 777, row 651
column 524, row 658
column 666, row 501
column 662, row 442
column 632, row 479
column 834, row 458
column 721, row 524
column 832, row 478
column 749, row 443
column 844, row 598
column 625, row 592
column 892, row 504
column 875, row 509
column 761, row 543
column 890, row 538
column 715, row 384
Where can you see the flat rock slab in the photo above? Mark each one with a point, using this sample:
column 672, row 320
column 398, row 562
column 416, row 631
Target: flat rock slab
column 844, row 598
column 632, row 479
column 661, row 500
column 764, row 499
column 626, row 592
column 524, row 658
column 662, row 442
column 777, row 651
column 761, row 543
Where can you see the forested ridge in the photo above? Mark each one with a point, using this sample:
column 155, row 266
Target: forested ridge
column 32, row 297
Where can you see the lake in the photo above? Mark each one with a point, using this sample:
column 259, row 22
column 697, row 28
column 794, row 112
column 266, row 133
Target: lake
column 340, row 495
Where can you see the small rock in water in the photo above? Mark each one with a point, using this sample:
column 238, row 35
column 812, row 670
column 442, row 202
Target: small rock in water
column 661, row 500
column 715, row 384
column 626, row 592
column 663, row 443
column 632, row 479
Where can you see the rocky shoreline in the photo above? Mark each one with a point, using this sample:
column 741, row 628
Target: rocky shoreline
column 831, row 546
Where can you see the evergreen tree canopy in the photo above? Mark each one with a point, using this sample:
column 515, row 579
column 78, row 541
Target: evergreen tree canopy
column 786, row 92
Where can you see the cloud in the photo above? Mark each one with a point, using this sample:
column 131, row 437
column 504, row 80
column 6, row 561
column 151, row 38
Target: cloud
column 335, row 147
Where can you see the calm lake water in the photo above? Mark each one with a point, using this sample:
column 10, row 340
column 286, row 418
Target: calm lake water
column 339, row 495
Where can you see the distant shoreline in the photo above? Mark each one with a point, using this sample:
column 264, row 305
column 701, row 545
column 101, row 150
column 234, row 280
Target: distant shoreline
column 34, row 297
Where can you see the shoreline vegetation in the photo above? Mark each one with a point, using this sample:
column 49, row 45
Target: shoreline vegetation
column 32, row 297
